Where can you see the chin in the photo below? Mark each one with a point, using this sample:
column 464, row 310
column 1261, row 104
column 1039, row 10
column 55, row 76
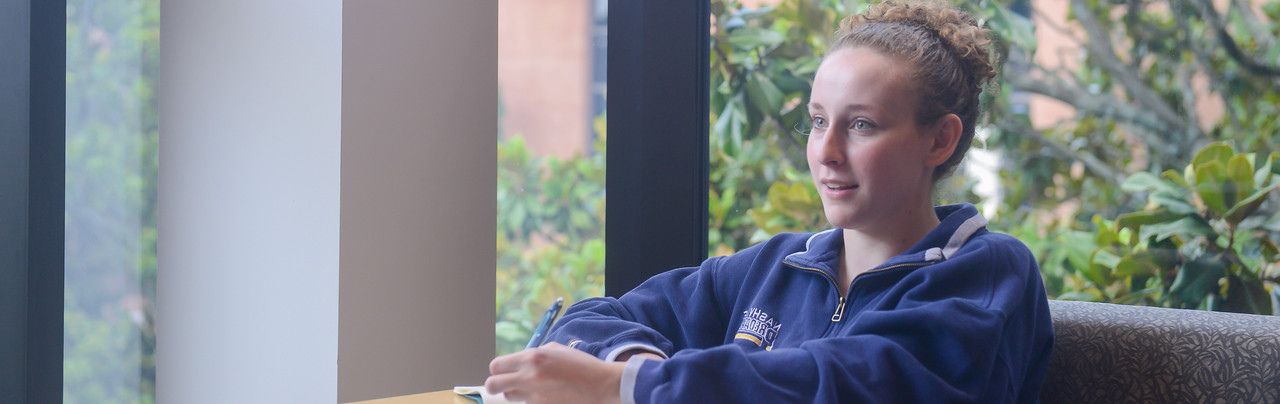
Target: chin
column 842, row 219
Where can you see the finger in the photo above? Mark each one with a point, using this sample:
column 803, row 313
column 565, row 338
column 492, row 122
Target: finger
column 516, row 395
column 554, row 347
column 506, row 363
column 499, row 384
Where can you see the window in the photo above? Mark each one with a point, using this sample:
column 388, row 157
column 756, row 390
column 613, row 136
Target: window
column 551, row 159
column 111, row 142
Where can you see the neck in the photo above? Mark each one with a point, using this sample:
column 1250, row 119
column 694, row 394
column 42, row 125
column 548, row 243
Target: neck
column 868, row 246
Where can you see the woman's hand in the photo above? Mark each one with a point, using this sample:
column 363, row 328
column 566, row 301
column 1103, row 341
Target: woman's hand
column 554, row 373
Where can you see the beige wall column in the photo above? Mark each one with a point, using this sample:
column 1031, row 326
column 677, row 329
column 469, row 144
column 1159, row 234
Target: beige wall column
column 419, row 172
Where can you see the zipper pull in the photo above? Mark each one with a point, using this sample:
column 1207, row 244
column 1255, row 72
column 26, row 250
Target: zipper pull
column 835, row 318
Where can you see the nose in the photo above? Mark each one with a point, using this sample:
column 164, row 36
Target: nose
column 831, row 148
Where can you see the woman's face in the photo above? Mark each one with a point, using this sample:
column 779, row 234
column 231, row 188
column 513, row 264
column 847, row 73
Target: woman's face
column 868, row 157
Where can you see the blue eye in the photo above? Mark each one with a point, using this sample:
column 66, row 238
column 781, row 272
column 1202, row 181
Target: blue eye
column 862, row 124
column 819, row 122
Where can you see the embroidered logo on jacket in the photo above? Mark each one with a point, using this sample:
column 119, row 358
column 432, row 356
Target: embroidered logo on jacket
column 759, row 328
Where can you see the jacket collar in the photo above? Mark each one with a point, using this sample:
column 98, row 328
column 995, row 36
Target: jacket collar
column 958, row 223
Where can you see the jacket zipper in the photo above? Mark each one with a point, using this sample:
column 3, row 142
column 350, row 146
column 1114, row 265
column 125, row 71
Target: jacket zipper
column 839, row 306
column 835, row 318
column 839, row 313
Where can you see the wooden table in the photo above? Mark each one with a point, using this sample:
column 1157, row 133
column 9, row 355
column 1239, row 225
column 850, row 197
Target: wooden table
column 435, row 397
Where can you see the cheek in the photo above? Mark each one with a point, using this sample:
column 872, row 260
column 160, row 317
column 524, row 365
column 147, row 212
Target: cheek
column 905, row 165
column 812, row 154
column 879, row 161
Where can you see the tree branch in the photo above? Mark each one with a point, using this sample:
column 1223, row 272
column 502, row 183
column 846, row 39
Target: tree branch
column 1099, row 46
column 1133, row 10
column 1224, row 38
column 1151, row 127
column 1259, row 32
column 1202, row 59
column 1091, row 162
column 1044, row 19
column 1189, row 102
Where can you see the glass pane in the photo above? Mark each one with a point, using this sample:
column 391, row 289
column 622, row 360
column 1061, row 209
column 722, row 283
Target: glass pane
column 112, row 66
column 551, row 151
column 762, row 62
column 1135, row 175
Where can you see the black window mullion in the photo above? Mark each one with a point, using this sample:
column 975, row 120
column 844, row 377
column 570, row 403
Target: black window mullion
column 15, row 41
column 32, row 126
column 656, row 177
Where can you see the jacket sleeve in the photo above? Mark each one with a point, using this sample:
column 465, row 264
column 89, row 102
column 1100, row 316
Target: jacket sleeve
column 930, row 349
column 674, row 310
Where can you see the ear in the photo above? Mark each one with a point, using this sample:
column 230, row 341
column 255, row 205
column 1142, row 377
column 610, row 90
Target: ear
column 945, row 135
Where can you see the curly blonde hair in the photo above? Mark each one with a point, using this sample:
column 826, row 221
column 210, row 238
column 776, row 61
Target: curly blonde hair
column 950, row 53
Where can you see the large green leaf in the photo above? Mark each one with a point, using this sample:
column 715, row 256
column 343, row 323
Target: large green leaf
column 1138, row 263
column 1270, row 251
column 730, row 125
column 1240, row 176
column 1172, row 175
column 1189, row 176
column 1143, row 181
column 1218, row 152
column 1196, row 279
column 1106, row 232
column 1248, row 205
column 1135, row 220
column 1100, row 267
column 1172, row 203
column 1246, row 295
column 807, row 67
column 751, row 38
column 1263, row 176
column 1187, row 228
column 1211, row 186
column 764, row 95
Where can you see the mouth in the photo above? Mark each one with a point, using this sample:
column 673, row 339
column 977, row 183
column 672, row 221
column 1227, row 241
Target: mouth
column 838, row 186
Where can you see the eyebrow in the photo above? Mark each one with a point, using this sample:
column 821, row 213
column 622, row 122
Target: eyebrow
column 850, row 108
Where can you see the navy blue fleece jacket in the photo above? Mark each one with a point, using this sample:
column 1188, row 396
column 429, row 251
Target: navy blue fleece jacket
column 959, row 317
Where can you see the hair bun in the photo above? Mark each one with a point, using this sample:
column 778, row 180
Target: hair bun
column 956, row 30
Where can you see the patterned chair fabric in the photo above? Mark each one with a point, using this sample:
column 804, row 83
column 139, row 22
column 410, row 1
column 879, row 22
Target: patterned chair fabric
column 1107, row 353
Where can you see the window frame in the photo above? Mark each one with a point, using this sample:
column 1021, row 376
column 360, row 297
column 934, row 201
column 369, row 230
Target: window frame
column 34, row 239
column 657, row 155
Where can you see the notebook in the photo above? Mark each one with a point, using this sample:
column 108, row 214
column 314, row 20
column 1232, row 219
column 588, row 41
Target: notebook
column 479, row 395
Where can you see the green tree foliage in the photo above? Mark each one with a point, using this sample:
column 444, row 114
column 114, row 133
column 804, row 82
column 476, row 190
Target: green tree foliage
column 112, row 138
column 550, row 234
column 762, row 67
column 1199, row 243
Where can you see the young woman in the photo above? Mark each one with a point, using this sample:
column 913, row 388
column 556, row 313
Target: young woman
column 900, row 302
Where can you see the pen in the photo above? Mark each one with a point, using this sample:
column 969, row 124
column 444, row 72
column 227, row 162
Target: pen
column 540, row 332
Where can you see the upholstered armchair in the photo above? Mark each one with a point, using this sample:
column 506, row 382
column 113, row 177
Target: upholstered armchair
column 1107, row 353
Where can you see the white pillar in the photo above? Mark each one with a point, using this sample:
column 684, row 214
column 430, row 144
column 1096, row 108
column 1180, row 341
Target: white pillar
column 326, row 187
column 247, row 292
